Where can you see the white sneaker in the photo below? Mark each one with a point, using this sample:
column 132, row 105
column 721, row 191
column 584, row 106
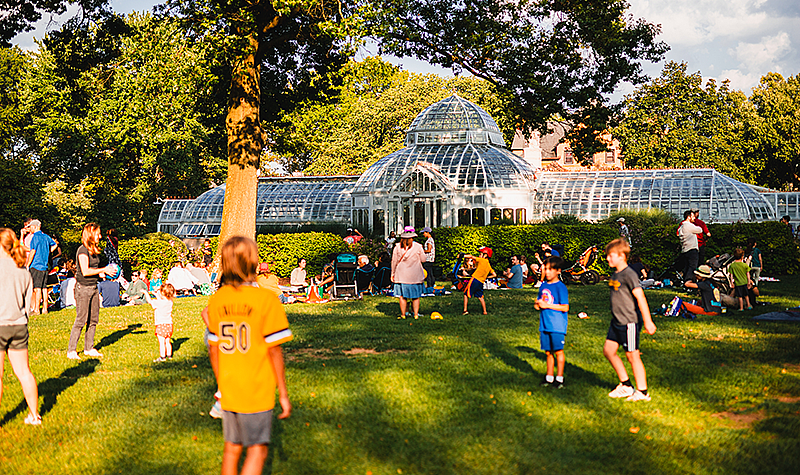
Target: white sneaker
column 537, row 285
column 216, row 411
column 93, row 352
column 638, row 396
column 622, row 391
column 32, row 420
column 73, row 355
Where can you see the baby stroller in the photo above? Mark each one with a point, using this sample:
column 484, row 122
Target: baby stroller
column 720, row 276
column 580, row 272
column 344, row 280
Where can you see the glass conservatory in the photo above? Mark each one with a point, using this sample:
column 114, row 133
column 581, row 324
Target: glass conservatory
column 455, row 170
column 281, row 201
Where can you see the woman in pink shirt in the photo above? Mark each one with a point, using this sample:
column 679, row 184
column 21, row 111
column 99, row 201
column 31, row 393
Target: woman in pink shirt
column 407, row 271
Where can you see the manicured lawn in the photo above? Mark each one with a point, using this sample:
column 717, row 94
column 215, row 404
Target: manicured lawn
column 373, row 394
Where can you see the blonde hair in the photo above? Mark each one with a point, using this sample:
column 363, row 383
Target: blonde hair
column 239, row 261
column 90, row 237
column 168, row 291
column 9, row 241
column 619, row 246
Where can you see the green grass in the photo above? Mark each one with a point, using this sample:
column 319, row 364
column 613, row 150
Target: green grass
column 454, row 396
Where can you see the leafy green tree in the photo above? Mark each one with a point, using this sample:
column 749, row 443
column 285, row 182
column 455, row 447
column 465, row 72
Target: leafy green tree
column 131, row 130
column 549, row 59
column 12, row 63
column 369, row 117
column 675, row 121
column 777, row 101
column 18, row 16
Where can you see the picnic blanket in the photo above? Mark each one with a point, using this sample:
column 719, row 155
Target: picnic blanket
column 785, row 316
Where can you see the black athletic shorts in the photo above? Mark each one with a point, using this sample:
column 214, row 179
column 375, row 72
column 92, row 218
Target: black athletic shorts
column 626, row 335
column 39, row 278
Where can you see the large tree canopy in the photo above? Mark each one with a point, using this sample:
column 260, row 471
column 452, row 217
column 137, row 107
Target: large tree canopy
column 19, row 16
column 777, row 101
column 554, row 59
column 676, row 121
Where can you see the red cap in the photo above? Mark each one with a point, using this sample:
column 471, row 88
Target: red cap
column 486, row 250
column 263, row 267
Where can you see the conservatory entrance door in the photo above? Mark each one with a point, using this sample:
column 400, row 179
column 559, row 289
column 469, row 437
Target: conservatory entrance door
column 419, row 199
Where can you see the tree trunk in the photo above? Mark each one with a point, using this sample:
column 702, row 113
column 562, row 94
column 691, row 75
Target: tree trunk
column 245, row 143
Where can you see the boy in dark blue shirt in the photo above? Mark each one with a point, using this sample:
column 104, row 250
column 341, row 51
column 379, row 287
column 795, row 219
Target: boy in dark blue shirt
column 553, row 302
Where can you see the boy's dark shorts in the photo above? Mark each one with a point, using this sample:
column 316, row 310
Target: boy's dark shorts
column 247, row 429
column 552, row 341
column 740, row 291
column 474, row 288
column 39, row 278
column 626, row 335
column 13, row 337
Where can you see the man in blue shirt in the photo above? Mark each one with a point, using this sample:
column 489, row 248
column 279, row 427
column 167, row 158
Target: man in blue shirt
column 39, row 264
column 514, row 274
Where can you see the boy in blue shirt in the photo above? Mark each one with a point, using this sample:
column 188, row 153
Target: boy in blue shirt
column 553, row 302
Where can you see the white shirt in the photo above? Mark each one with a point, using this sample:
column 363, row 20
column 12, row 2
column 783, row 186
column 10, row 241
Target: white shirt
column 430, row 256
column 162, row 311
column 181, row 278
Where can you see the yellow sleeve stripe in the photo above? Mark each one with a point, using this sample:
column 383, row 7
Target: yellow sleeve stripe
column 279, row 336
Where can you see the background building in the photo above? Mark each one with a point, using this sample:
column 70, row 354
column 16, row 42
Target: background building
column 455, row 170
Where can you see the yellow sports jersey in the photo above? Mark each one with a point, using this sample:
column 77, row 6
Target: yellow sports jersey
column 482, row 269
column 244, row 323
column 269, row 282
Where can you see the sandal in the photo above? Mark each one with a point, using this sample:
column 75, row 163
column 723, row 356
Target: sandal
column 32, row 420
column 465, row 313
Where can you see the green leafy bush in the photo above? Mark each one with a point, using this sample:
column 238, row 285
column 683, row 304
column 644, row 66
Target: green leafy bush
column 153, row 251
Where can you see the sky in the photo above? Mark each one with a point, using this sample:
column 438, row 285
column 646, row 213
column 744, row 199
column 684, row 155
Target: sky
column 739, row 40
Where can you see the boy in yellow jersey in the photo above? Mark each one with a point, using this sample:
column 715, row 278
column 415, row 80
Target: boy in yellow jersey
column 247, row 325
column 483, row 271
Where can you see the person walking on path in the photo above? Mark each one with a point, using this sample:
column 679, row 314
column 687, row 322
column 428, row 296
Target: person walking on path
column 430, row 256
column 87, row 297
column 407, row 271
column 16, row 292
column 39, row 264
column 687, row 232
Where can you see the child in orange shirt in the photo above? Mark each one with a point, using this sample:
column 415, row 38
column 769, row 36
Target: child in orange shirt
column 247, row 325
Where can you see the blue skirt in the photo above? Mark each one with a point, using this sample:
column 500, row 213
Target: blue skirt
column 409, row 291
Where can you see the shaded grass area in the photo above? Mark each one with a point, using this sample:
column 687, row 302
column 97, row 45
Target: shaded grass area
column 460, row 395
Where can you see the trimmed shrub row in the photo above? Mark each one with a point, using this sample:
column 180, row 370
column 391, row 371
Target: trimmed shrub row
column 656, row 245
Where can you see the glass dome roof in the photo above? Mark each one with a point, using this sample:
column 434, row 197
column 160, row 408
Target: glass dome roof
column 458, row 141
column 595, row 195
column 296, row 200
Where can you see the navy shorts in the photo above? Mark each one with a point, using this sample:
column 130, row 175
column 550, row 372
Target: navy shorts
column 740, row 291
column 474, row 288
column 626, row 335
column 552, row 341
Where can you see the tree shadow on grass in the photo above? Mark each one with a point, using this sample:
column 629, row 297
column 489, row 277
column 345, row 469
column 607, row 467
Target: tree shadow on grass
column 575, row 373
column 112, row 338
column 390, row 309
column 50, row 389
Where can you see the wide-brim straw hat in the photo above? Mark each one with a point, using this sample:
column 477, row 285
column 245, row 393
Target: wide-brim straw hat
column 408, row 232
column 703, row 271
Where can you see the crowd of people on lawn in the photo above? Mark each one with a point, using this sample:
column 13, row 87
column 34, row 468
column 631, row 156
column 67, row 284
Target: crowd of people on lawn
column 246, row 322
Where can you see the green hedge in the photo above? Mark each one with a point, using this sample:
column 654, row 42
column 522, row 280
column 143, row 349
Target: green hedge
column 657, row 245
column 152, row 251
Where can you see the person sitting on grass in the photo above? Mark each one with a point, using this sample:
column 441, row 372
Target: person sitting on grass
column 483, row 271
column 298, row 276
column 326, row 279
column 629, row 312
column 136, row 290
column 155, row 282
column 246, row 327
column 269, row 281
column 162, row 318
column 182, row 279
column 741, row 279
column 514, row 274
column 553, row 304
column 709, row 296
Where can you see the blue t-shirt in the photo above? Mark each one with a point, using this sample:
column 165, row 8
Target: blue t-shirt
column 551, row 320
column 515, row 282
column 41, row 243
